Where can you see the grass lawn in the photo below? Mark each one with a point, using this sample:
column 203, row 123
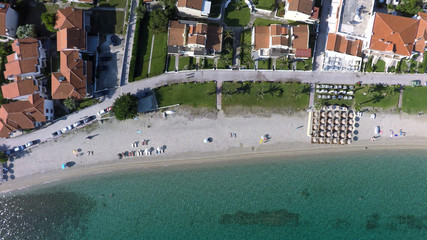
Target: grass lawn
column 265, row 22
column 107, row 22
column 380, row 66
column 266, row 4
column 158, row 60
column 245, row 54
column 414, row 99
column 264, row 64
column 190, row 94
column 239, row 18
column 171, row 66
column 304, row 65
column 186, row 63
column 113, row 3
column 283, row 64
column 265, row 94
column 208, row 63
column 381, row 101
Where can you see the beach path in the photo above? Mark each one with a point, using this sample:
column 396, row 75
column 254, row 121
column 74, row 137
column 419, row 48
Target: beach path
column 218, row 94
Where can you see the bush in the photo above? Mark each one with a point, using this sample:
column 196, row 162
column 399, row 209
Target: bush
column 126, row 107
column 26, row 31
column 48, row 19
column 70, row 103
column 3, row 157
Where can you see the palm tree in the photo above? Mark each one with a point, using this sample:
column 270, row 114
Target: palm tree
column 275, row 89
column 228, row 34
column 296, row 91
column 260, row 93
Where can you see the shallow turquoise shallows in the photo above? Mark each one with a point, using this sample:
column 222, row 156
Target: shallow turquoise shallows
column 360, row 195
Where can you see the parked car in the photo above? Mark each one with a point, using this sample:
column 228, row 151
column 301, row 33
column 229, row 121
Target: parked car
column 56, row 134
column 8, row 151
column 102, row 68
column 89, row 119
column 19, row 148
column 67, row 128
column 32, row 143
column 106, row 58
column 78, row 123
column 104, row 111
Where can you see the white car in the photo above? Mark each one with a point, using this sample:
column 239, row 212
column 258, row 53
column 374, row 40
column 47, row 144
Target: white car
column 67, row 128
column 78, row 123
column 104, row 111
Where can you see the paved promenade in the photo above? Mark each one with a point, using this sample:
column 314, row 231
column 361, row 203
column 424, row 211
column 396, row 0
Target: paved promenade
column 211, row 75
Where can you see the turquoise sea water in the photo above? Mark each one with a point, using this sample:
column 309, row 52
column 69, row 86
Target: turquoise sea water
column 363, row 195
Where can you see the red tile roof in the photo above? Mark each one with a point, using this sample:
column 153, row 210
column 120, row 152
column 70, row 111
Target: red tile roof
column 262, row 37
column 73, row 76
column 71, row 38
column 25, row 58
column 176, row 33
column 194, row 4
column 69, row 18
column 338, row 43
column 301, row 36
column 303, row 6
column 394, row 34
column 19, row 87
column 214, row 38
column 3, row 18
column 21, row 115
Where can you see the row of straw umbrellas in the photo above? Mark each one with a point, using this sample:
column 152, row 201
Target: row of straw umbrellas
column 332, row 127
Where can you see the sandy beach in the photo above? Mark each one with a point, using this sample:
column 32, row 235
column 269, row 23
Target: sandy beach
column 183, row 136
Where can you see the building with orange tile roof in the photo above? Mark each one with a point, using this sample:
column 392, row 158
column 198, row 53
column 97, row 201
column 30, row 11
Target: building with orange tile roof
column 75, row 75
column 28, row 114
column 193, row 8
column 8, row 21
column 342, row 54
column 28, row 59
column 69, row 18
column 194, row 39
column 301, row 11
column 277, row 40
column 395, row 37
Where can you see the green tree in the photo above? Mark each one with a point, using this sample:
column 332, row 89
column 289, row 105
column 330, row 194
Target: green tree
column 158, row 21
column 141, row 11
column 70, row 103
column 240, row 4
column 48, row 19
column 126, row 107
column 3, row 157
column 410, row 7
column 26, row 31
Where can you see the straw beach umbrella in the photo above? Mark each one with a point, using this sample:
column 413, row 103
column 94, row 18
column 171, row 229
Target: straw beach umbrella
column 348, row 141
column 351, row 115
column 343, row 121
column 342, row 135
column 328, row 141
column 343, row 127
column 337, row 114
column 344, row 114
column 322, row 127
column 342, row 141
column 321, row 140
column 330, row 114
column 315, row 127
column 323, row 114
column 314, row 140
column 335, row 134
column 350, row 121
column 334, row 141
column 322, row 121
column 315, row 114
column 337, row 121
column 328, row 134
column 350, row 128
column 322, row 133
column 349, row 135
column 329, row 128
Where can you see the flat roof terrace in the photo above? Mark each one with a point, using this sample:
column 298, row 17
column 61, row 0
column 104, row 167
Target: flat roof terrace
column 355, row 17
